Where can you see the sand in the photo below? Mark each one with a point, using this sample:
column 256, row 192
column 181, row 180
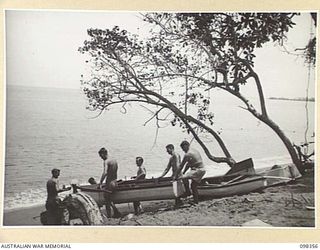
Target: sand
column 23, row 217
column 289, row 205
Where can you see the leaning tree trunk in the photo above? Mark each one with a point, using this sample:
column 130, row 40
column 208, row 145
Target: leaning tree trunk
column 288, row 144
column 266, row 120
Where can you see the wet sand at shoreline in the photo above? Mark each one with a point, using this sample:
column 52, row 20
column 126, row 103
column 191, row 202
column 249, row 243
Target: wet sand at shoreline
column 280, row 206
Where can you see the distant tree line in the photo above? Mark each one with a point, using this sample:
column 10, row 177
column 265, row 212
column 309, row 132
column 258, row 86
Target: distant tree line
column 310, row 99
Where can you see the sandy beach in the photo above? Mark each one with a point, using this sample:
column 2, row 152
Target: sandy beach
column 288, row 205
column 282, row 206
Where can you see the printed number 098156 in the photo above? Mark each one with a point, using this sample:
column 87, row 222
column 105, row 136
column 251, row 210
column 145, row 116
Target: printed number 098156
column 309, row 246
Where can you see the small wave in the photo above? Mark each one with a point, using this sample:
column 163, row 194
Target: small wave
column 24, row 199
column 10, row 164
column 30, row 198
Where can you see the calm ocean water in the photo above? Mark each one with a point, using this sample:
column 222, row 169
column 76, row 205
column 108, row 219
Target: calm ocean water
column 47, row 128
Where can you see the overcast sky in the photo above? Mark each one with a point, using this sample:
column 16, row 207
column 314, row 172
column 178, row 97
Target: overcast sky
column 42, row 50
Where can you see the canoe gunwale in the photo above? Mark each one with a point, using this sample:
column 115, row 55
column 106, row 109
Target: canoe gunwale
column 216, row 186
column 126, row 187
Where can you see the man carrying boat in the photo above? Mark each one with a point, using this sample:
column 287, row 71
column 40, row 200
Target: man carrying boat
column 174, row 162
column 192, row 159
column 110, row 170
column 141, row 174
column 53, row 201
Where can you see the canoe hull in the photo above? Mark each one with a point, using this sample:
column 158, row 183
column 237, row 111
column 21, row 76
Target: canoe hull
column 146, row 190
column 149, row 191
column 213, row 187
column 280, row 174
column 240, row 187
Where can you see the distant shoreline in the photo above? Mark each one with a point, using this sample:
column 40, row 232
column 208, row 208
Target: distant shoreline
column 301, row 99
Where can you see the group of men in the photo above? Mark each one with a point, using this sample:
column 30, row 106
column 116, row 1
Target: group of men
column 109, row 176
column 192, row 160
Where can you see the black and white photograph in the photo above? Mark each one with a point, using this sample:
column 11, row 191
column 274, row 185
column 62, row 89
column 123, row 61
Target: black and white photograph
column 160, row 118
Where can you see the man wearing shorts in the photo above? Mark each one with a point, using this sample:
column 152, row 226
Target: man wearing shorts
column 192, row 159
column 110, row 170
column 141, row 175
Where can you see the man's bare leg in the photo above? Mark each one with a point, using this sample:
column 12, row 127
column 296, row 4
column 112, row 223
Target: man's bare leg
column 136, row 206
column 108, row 209
column 178, row 202
column 186, row 186
column 194, row 188
column 116, row 212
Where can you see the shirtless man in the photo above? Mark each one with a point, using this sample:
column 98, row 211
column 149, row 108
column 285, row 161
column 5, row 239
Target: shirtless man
column 53, row 201
column 192, row 159
column 141, row 175
column 110, row 169
column 173, row 163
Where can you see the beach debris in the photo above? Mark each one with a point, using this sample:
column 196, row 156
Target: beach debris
column 212, row 204
column 129, row 216
column 129, row 219
column 139, row 223
column 247, row 200
column 191, row 203
column 305, row 199
column 36, row 217
column 255, row 223
column 181, row 206
column 164, row 209
column 254, row 213
column 299, row 185
column 132, row 222
column 292, row 199
column 75, row 222
column 246, row 209
column 310, row 208
column 304, row 202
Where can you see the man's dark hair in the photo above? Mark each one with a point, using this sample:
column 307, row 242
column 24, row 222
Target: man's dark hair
column 139, row 158
column 102, row 151
column 184, row 143
column 170, row 146
column 92, row 181
column 55, row 170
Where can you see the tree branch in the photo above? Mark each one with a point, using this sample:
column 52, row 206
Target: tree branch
column 229, row 160
column 259, row 87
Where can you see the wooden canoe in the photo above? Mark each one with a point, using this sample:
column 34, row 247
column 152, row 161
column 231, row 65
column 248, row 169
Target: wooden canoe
column 280, row 174
column 223, row 186
column 141, row 190
column 151, row 189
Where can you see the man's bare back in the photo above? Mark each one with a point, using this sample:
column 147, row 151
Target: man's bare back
column 193, row 159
